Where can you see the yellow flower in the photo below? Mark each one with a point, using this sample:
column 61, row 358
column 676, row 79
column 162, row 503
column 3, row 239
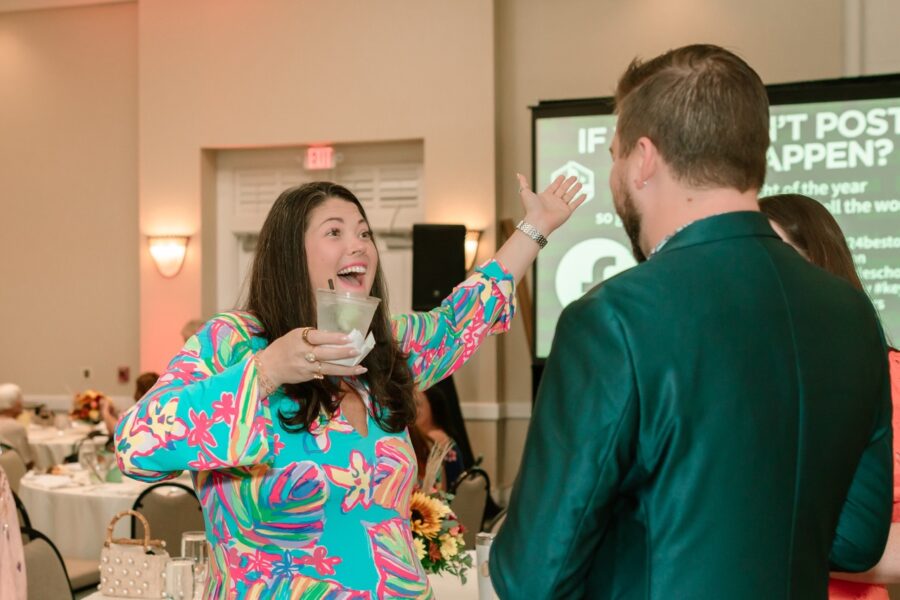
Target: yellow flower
column 420, row 547
column 426, row 514
column 448, row 546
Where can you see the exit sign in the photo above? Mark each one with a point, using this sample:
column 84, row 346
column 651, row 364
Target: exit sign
column 319, row 157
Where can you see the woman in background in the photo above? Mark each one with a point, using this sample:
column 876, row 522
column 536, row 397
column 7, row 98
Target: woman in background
column 808, row 226
column 110, row 413
column 433, row 420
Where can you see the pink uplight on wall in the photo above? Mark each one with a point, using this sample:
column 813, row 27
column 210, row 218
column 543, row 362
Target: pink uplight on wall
column 168, row 252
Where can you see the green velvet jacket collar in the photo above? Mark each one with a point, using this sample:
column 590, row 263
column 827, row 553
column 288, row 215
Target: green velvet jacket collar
column 719, row 227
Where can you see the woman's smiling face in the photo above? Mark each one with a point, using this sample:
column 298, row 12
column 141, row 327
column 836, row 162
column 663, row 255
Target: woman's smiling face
column 340, row 247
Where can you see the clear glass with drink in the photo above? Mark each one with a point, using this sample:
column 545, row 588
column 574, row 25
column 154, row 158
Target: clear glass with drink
column 194, row 546
column 344, row 312
column 180, row 578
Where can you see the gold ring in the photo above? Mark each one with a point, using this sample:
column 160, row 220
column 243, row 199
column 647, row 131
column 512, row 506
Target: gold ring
column 305, row 334
column 310, row 357
column 318, row 373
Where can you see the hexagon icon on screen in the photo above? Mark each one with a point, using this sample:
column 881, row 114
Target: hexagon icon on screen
column 585, row 177
column 588, row 263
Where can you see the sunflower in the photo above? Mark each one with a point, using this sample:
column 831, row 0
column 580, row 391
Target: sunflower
column 426, row 514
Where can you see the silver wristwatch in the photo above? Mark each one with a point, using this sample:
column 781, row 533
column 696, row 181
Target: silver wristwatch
column 532, row 232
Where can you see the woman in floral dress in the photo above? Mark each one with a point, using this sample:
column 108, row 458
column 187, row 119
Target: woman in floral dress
column 304, row 468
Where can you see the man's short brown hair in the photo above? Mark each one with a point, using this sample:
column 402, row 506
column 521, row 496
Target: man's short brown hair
column 706, row 111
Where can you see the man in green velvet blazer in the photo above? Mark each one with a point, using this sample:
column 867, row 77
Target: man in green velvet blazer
column 715, row 422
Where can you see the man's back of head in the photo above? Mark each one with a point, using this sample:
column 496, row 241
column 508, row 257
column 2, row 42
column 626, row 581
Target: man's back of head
column 705, row 109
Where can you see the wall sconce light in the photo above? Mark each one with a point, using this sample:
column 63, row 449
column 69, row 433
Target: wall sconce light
column 473, row 236
column 168, row 253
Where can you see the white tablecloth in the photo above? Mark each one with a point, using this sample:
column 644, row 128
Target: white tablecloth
column 76, row 517
column 49, row 445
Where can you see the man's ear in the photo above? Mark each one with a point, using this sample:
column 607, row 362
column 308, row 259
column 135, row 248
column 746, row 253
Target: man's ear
column 647, row 163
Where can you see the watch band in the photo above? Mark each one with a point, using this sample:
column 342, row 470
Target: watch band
column 532, row 232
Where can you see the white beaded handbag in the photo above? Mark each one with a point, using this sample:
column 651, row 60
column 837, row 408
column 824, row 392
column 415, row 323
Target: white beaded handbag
column 131, row 568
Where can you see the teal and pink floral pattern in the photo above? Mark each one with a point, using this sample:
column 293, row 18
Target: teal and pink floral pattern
column 317, row 514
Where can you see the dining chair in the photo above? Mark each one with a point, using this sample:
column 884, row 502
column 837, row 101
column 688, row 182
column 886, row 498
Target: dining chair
column 497, row 523
column 45, row 571
column 470, row 493
column 13, row 465
column 171, row 509
column 82, row 573
column 24, row 521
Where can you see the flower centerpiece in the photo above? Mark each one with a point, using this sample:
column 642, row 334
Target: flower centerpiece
column 437, row 532
column 86, row 406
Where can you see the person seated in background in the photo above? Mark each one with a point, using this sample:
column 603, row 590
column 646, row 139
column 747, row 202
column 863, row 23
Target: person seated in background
column 12, row 432
column 108, row 409
column 143, row 383
column 433, row 421
column 806, row 225
column 191, row 327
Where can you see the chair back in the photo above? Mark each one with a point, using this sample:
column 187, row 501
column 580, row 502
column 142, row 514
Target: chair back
column 171, row 509
column 497, row 523
column 24, row 521
column 45, row 571
column 470, row 494
column 13, row 465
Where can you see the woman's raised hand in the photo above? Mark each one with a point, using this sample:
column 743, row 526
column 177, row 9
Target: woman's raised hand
column 301, row 355
column 552, row 207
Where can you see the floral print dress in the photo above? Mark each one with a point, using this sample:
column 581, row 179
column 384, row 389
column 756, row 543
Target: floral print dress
column 318, row 514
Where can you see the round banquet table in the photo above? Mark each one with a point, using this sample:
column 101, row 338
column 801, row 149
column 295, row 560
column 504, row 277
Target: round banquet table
column 50, row 446
column 75, row 516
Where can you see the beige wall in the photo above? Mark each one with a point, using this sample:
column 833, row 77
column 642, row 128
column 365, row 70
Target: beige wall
column 576, row 49
column 68, row 189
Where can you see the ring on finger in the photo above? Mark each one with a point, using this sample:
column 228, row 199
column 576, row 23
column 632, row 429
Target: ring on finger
column 318, row 374
column 305, row 334
column 310, row 357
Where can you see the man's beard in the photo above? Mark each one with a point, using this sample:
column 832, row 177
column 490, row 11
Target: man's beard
column 631, row 219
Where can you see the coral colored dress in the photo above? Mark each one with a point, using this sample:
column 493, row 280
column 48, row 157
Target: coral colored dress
column 838, row 589
column 318, row 514
column 12, row 558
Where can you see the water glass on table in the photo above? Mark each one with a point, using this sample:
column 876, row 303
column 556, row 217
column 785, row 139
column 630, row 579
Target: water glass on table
column 193, row 545
column 180, row 578
column 483, row 542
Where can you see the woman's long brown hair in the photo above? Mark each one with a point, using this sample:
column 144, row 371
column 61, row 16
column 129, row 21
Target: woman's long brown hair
column 282, row 298
column 810, row 227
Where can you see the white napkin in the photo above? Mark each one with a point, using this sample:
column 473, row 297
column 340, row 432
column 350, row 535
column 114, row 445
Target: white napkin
column 363, row 346
column 50, row 482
